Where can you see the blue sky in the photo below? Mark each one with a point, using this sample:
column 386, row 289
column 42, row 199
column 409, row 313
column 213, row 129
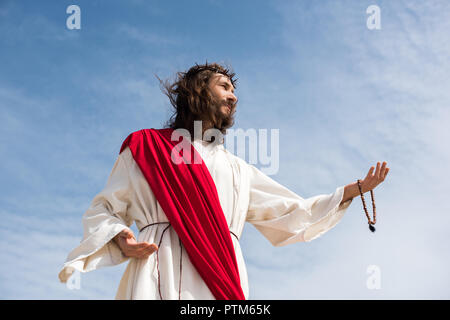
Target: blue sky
column 342, row 96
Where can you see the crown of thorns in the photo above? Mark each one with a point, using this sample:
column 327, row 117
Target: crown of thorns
column 197, row 69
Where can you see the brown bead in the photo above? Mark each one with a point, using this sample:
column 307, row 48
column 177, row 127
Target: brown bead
column 371, row 223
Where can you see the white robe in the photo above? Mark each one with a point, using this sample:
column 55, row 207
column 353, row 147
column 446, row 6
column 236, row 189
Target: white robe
column 245, row 194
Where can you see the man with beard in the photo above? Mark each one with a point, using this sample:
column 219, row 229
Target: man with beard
column 190, row 216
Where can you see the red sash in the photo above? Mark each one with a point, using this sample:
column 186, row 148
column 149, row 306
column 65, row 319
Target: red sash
column 188, row 196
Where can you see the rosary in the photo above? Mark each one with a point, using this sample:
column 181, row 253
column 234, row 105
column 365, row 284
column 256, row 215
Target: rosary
column 371, row 223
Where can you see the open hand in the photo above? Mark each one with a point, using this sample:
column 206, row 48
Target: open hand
column 372, row 180
column 133, row 249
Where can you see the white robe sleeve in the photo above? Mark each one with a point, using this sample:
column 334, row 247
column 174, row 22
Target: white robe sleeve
column 283, row 217
column 105, row 218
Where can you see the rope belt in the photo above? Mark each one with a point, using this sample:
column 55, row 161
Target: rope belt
column 181, row 256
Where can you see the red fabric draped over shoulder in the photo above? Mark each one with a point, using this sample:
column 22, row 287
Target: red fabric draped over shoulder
column 188, row 196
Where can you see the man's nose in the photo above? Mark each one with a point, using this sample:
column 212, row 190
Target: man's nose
column 232, row 98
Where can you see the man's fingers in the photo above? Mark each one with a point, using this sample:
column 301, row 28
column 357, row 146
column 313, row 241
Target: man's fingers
column 144, row 252
column 131, row 248
column 377, row 171
column 151, row 246
column 142, row 247
column 380, row 170
column 139, row 245
column 386, row 172
column 383, row 169
column 151, row 249
column 147, row 249
column 369, row 174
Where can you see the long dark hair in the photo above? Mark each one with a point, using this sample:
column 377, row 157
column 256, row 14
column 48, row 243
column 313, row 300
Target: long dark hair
column 192, row 100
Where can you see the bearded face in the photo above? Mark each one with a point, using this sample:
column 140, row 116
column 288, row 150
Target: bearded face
column 214, row 107
column 224, row 101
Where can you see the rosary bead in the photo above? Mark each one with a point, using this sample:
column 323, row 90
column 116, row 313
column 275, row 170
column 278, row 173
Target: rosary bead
column 371, row 223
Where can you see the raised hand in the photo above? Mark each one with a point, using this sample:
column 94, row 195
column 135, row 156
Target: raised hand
column 374, row 179
column 133, row 249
